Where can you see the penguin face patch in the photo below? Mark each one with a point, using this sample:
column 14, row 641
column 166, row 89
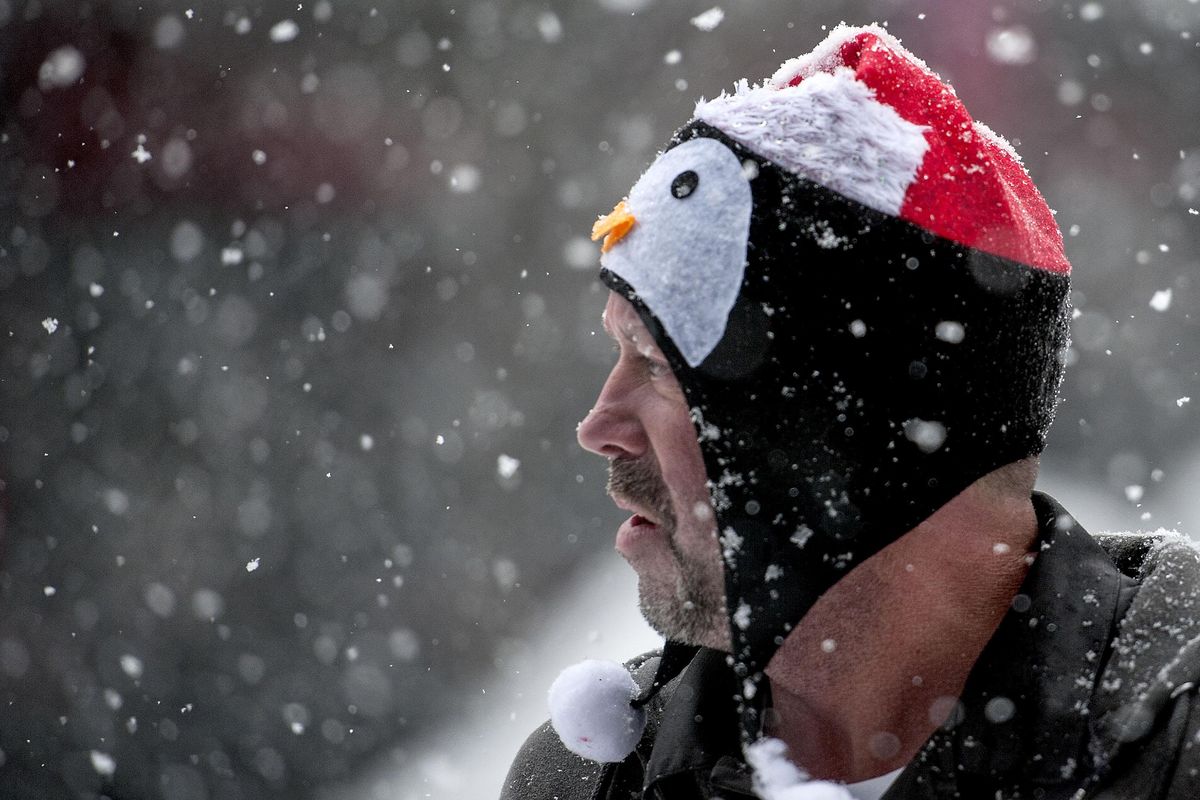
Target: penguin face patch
column 685, row 253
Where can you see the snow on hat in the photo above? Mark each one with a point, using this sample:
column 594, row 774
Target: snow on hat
column 864, row 117
column 864, row 299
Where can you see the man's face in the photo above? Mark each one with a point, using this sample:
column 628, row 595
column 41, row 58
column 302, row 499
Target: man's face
column 642, row 425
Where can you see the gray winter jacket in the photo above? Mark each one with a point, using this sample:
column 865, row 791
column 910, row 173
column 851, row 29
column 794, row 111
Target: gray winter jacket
column 1100, row 656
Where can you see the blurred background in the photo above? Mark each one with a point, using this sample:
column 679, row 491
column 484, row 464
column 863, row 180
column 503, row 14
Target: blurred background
column 298, row 315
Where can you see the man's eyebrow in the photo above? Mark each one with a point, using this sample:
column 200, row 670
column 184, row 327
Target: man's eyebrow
column 604, row 323
column 627, row 331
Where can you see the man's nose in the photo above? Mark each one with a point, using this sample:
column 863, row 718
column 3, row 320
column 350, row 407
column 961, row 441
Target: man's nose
column 612, row 428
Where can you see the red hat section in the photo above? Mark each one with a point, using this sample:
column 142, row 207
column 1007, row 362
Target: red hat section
column 970, row 187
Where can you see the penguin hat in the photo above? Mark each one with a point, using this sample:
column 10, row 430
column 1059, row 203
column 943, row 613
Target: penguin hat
column 865, row 301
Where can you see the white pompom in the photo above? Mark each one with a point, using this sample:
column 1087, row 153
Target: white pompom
column 590, row 711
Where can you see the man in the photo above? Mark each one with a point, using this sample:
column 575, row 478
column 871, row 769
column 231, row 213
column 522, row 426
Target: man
column 840, row 306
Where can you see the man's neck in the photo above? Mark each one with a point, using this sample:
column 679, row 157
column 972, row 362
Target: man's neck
column 879, row 662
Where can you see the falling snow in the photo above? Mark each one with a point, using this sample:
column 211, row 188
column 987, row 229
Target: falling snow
column 132, row 666
column 284, row 31
column 950, row 331
column 1013, row 45
column 62, row 68
column 103, row 763
column 710, row 19
column 928, row 435
column 1161, row 300
column 309, row 291
column 507, row 466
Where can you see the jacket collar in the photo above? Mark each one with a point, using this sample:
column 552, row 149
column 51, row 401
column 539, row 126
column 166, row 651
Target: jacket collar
column 1023, row 714
column 699, row 725
column 1025, row 704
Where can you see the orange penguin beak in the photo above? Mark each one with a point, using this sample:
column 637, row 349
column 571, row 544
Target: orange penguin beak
column 614, row 226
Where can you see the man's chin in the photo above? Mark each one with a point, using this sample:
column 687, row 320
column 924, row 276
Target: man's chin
column 690, row 626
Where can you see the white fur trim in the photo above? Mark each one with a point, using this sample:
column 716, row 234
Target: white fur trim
column 827, row 55
column 829, row 129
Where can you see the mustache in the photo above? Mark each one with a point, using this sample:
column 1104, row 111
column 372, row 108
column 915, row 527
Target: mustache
column 639, row 481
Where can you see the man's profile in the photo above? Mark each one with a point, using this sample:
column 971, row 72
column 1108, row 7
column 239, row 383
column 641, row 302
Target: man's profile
column 840, row 306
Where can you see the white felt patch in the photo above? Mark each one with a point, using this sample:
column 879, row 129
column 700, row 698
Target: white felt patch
column 829, row 129
column 686, row 255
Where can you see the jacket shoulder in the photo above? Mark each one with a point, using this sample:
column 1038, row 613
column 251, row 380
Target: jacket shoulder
column 545, row 770
column 1131, row 552
column 1148, row 715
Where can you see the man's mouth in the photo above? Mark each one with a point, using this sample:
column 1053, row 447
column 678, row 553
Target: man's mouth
column 640, row 517
column 637, row 532
column 637, row 486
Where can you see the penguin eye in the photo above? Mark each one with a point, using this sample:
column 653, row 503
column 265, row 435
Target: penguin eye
column 684, row 184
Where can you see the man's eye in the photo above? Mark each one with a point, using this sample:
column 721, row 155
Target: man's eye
column 657, row 369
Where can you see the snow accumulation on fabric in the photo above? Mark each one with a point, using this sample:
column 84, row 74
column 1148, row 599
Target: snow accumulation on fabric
column 827, row 55
column 1004, row 144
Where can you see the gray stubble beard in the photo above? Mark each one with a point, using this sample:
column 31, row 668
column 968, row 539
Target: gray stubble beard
column 693, row 613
